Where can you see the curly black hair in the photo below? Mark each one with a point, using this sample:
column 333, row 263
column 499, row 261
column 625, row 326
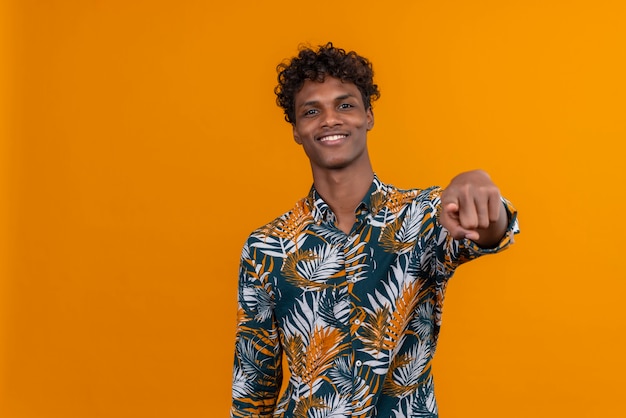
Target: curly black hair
column 315, row 65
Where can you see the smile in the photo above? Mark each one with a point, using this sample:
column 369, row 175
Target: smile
column 332, row 138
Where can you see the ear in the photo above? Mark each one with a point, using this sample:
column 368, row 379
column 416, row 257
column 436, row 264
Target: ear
column 296, row 137
column 370, row 118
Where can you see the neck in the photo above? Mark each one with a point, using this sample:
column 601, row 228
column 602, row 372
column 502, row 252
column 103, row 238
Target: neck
column 343, row 190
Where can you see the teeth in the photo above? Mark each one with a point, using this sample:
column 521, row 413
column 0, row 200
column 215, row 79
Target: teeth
column 332, row 137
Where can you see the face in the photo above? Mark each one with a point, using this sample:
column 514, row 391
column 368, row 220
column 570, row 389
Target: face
column 332, row 124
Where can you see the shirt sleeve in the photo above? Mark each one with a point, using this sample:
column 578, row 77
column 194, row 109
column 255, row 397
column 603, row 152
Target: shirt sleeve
column 257, row 371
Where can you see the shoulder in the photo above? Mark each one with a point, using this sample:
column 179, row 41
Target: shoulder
column 286, row 224
column 280, row 236
column 394, row 197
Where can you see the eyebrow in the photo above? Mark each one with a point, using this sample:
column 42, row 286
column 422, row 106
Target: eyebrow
column 337, row 99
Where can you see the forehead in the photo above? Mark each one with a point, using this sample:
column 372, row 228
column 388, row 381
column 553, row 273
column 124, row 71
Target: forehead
column 324, row 91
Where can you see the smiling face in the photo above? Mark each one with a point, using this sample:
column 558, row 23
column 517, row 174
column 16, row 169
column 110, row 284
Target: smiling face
column 332, row 124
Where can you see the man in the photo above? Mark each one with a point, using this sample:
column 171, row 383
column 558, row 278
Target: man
column 349, row 284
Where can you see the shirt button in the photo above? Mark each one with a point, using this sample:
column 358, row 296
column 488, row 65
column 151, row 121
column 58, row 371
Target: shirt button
column 358, row 363
column 357, row 322
column 359, row 404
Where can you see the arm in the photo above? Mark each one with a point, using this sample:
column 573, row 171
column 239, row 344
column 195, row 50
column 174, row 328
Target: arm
column 257, row 373
column 472, row 208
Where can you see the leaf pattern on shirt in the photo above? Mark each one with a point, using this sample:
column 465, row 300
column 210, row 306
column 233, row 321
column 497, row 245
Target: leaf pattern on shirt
column 291, row 226
column 312, row 268
column 324, row 347
column 406, row 370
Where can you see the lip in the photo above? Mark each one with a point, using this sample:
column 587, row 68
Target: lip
column 332, row 138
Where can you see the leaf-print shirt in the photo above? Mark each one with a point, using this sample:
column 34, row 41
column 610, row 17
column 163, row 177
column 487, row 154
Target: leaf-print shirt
column 357, row 315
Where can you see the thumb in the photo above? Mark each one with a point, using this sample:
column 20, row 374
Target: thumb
column 451, row 209
column 450, row 219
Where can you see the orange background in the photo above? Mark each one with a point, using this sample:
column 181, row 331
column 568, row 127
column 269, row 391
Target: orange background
column 141, row 145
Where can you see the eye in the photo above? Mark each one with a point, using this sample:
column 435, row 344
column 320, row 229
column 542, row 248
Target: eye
column 345, row 106
column 310, row 112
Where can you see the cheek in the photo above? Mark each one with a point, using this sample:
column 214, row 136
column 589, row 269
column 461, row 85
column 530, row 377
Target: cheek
column 304, row 133
column 298, row 135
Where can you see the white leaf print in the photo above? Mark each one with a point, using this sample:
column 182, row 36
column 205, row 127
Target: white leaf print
column 326, row 263
column 409, row 374
column 241, row 383
column 336, row 406
column 259, row 301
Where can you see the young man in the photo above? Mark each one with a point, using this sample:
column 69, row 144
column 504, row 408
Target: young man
column 349, row 284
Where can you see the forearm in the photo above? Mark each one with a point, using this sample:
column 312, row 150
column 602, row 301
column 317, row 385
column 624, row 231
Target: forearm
column 257, row 373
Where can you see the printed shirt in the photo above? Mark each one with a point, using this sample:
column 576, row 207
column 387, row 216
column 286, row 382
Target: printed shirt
column 357, row 315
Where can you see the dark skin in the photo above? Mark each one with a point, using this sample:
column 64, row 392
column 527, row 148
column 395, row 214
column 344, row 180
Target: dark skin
column 332, row 124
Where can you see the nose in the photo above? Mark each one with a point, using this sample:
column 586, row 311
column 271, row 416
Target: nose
column 331, row 118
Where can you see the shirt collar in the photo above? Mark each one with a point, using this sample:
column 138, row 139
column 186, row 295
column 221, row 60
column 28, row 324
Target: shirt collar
column 371, row 203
